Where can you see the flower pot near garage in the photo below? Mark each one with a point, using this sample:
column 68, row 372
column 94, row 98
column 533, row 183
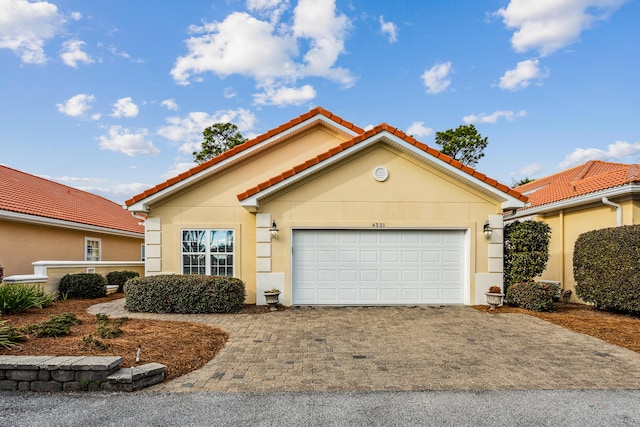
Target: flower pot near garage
column 272, row 296
column 494, row 297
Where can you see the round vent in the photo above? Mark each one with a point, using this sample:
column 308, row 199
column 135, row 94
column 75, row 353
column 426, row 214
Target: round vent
column 380, row 173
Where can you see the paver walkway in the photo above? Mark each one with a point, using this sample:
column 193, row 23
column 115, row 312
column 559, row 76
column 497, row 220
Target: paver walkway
column 398, row 348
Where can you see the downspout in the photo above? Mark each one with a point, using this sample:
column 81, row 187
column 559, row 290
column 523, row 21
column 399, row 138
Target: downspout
column 618, row 207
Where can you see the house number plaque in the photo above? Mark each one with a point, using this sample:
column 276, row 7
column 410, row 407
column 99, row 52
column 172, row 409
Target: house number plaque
column 378, row 225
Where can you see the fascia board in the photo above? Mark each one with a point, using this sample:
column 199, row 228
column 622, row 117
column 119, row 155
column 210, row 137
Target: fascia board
column 51, row 222
column 576, row 201
column 144, row 204
column 253, row 202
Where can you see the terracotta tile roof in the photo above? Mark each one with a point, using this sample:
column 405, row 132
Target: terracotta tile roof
column 27, row 194
column 587, row 178
column 356, row 140
column 242, row 147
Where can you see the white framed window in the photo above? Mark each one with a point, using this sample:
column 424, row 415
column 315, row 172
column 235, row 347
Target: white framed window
column 208, row 252
column 92, row 249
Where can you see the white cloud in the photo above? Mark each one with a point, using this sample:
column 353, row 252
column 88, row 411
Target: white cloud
column 285, row 96
column 170, row 104
column 390, row 29
column 124, row 107
column 436, row 79
column 122, row 54
column 273, row 53
column 76, row 16
column 521, row 76
column 77, row 105
column 229, row 93
column 104, row 187
column 418, row 130
column 25, row 27
column 123, row 140
column 188, row 129
column 72, row 53
column 177, row 168
column 529, row 170
column 616, row 151
column 547, row 26
column 494, row 117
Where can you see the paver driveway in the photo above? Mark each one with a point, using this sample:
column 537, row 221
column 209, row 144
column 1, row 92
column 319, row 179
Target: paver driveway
column 398, row 348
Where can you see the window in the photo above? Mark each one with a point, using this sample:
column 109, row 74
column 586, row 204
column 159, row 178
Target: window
column 207, row 252
column 142, row 256
column 92, row 249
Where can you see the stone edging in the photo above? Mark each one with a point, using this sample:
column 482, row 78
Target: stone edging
column 75, row 373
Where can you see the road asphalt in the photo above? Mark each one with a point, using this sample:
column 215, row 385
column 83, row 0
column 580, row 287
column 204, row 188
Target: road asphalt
column 428, row 408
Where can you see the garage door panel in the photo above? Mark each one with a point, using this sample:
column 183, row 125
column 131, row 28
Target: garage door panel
column 377, row 267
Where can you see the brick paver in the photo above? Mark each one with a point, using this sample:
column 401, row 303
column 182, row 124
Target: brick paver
column 398, row 348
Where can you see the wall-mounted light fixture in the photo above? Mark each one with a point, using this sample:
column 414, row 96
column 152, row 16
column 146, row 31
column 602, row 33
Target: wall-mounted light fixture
column 488, row 232
column 274, row 230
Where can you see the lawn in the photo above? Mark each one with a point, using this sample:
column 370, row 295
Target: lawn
column 184, row 347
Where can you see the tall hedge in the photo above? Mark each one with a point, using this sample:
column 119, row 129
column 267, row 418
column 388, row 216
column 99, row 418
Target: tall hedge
column 606, row 268
column 177, row 293
column 526, row 251
column 83, row 285
column 120, row 277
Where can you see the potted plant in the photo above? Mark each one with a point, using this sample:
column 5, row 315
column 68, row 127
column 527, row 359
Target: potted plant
column 272, row 297
column 494, row 296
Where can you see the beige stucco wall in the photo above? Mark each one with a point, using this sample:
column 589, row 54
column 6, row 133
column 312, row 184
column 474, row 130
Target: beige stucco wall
column 21, row 244
column 566, row 227
column 344, row 195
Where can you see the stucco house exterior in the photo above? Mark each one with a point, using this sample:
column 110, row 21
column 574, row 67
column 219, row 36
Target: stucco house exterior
column 41, row 220
column 331, row 214
column 587, row 197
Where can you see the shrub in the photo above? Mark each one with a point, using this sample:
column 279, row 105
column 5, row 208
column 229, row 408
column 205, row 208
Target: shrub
column 54, row 327
column 526, row 251
column 185, row 294
column 108, row 328
column 83, row 285
column 9, row 335
column 1, row 273
column 19, row 297
column 606, row 268
column 120, row 277
column 531, row 295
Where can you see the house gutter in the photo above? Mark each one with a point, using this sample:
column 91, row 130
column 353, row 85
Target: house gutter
column 618, row 207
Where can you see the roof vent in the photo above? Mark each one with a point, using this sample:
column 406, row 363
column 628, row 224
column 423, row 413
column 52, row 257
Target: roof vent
column 380, row 174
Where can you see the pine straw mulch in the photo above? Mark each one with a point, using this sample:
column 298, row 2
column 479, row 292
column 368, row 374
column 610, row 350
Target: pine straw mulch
column 184, row 347
column 619, row 329
column 181, row 346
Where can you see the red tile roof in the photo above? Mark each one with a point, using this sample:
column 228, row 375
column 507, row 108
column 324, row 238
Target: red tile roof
column 587, row 178
column 27, row 194
column 242, row 147
column 366, row 135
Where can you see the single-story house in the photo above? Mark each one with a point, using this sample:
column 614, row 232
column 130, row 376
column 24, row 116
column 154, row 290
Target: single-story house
column 587, row 197
column 43, row 220
column 329, row 213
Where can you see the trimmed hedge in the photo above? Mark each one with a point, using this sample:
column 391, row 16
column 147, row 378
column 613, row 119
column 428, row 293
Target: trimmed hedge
column 606, row 268
column 120, row 277
column 83, row 285
column 531, row 296
column 177, row 293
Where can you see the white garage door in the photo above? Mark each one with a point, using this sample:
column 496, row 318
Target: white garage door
column 378, row 267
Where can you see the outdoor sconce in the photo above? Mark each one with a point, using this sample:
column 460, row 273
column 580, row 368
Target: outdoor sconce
column 488, row 232
column 274, row 230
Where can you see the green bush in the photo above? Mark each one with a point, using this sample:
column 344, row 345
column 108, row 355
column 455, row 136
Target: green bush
column 56, row 326
column 83, row 285
column 185, row 294
column 120, row 277
column 531, row 296
column 9, row 335
column 526, row 251
column 108, row 328
column 19, row 297
column 606, row 268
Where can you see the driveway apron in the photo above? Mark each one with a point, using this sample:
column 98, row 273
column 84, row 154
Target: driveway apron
column 397, row 348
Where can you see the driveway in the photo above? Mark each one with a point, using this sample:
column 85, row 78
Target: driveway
column 398, row 348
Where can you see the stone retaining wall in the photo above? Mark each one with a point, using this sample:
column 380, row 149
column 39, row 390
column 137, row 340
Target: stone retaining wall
column 67, row 373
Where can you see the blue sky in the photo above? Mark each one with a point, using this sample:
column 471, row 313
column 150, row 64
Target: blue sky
column 111, row 96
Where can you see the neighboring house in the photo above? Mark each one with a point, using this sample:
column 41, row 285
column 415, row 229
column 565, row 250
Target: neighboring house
column 331, row 214
column 588, row 197
column 44, row 220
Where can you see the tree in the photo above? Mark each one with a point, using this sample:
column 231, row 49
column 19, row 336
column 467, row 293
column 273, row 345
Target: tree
column 218, row 138
column 464, row 144
column 522, row 181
